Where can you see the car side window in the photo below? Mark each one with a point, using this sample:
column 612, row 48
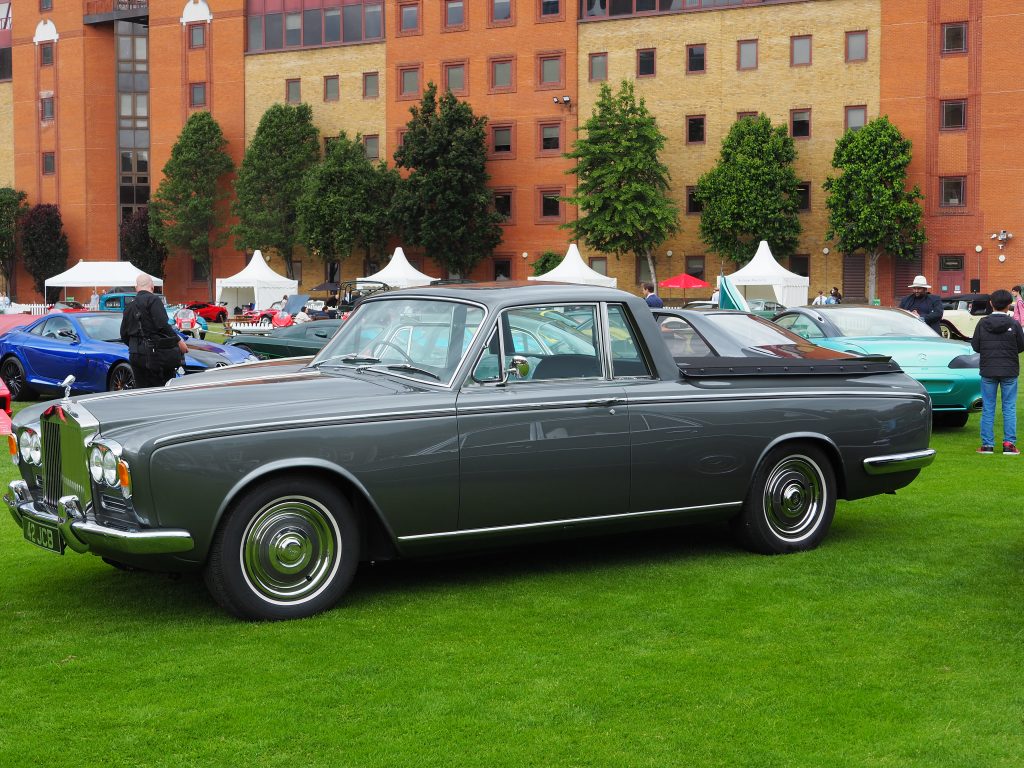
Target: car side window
column 112, row 303
column 627, row 355
column 800, row 325
column 54, row 326
column 682, row 340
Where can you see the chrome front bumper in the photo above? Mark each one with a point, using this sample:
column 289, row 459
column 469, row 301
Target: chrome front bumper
column 84, row 535
column 899, row 462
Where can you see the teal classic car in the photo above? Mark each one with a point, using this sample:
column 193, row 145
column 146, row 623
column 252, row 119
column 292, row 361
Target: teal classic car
column 948, row 369
column 291, row 341
column 449, row 418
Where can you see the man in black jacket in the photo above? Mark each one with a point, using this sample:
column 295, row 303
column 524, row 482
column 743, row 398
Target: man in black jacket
column 155, row 350
column 922, row 303
column 1000, row 340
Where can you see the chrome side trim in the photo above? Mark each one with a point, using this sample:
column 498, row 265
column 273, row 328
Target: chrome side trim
column 775, row 395
column 899, row 462
column 83, row 535
column 304, row 373
column 567, row 521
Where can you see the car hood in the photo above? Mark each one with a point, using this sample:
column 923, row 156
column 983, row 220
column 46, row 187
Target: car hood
column 246, row 398
column 909, row 352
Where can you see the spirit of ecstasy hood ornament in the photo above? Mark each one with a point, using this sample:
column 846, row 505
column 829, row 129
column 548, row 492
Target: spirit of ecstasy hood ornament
column 67, row 388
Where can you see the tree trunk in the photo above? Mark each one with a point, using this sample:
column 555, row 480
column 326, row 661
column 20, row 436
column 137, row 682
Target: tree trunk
column 873, row 275
column 649, row 255
column 286, row 254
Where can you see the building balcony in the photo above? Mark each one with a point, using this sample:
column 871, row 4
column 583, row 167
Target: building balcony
column 109, row 11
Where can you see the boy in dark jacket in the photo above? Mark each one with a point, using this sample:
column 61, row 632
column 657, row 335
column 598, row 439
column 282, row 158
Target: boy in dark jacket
column 1000, row 340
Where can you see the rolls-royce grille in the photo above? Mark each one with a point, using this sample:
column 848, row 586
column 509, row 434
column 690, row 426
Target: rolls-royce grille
column 51, row 463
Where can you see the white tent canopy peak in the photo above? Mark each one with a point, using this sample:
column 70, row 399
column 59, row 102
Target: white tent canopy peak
column 572, row 269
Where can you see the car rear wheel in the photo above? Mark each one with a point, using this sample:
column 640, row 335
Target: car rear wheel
column 121, row 377
column 953, row 419
column 287, row 549
column 947, row 331
column 222, row 317
column 13, row 374
column 791, row 501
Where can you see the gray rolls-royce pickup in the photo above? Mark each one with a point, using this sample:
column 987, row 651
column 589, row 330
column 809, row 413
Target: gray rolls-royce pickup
column 461, row 416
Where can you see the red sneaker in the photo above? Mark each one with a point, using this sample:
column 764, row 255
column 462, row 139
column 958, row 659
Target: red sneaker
column 986, row 449
column 1009, row 449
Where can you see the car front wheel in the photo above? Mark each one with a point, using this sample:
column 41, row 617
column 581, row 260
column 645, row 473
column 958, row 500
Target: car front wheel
column 13, row 374
column 947, row 331
column 121, row 377
column 287, row 549
column 791, row 501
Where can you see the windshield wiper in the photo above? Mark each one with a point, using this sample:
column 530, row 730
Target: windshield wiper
column 359, row 359
column 401, row 367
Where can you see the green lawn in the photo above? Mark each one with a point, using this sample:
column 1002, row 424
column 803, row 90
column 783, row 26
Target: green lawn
column 897, row 643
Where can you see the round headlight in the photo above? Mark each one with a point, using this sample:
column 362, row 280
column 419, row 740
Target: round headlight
column 110, row 469
column 96, row 464
column 36, row 449
column 25, row 445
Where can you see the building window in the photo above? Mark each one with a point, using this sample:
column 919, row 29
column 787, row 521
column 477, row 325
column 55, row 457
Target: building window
column 696, row 59
column 328, row 143
column 371, row 85
column 197, row 94
column 550, row 9
column 455, row 77
column 954, row 37
column 693, row 205
column 197, row 35
column 502, row 269
column 598, row 67
column 6, row 64
column 46, row 108
column 409, row 82
column 856, row 117
column 502, row 74
column 549, row 205
column 549, row 70
column 550, row 138
column 645, row 62
column 331, row 91
column 951, row 262
column 857, row 46
column 800, row 123
column 501, row 11
column 800, row 264
column 800, row 51
column 45, row 5
column 49, row 163
column 695, row 266
column 293, row 91
column 954, row 114
column 454, row 15
column 746, row 54
column 46, row 54
column 503, row 141
column 312, row 27
column 599, row 264
column 503, row 205
column 371, row 145
column 744, row 115
column 803, row 196
column 695, row 129
column 951, row 191
column 292, row 30
column 408, row 18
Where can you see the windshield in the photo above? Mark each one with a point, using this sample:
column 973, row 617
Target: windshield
column 863, row 321
column 102, row 327
column 422, row 339
column 761, row 337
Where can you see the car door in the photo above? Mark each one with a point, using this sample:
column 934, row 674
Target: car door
column 310, row 340
column 55, row 354
column 550, row 445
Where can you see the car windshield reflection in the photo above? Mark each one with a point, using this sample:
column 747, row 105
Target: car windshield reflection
column 423, row 339
column 866, row 321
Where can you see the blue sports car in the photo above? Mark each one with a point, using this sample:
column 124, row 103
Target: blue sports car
column 36, row 358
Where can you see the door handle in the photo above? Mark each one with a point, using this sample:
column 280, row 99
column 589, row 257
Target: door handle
column 606, row 403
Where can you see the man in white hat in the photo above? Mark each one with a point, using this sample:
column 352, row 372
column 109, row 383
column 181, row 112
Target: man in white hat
column 921, row 303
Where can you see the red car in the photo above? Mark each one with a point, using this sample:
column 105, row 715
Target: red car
column 5, row 409
column 263, row 315
column 211, row 313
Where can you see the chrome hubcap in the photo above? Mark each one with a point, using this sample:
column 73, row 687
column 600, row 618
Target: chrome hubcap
column 794, row 498
column 291, row 550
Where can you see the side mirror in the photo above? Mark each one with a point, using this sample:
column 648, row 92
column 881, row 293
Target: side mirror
column 519, row 368
column 67, row 333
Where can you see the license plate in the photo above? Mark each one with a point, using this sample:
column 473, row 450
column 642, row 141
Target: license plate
column 43, row 535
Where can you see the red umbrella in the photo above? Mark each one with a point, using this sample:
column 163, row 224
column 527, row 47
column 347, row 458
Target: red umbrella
column 684, row 281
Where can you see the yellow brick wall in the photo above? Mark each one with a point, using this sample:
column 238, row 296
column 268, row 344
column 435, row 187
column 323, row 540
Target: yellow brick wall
column 265, row 76
column 826, row 87
column 6, row 135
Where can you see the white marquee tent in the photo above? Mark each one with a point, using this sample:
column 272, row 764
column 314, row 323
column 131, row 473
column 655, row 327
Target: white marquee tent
column 257, row 282
column 399, row 273
column 98, row 274
column 764, row 278
column 572, row 270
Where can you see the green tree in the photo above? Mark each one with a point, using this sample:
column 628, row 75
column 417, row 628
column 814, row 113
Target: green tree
column 444, row 204
column 751, row 193
column 12, row 208
column 285, row 146
column 622, row 187
column 139, row 247
column 869, row 207
column 44, row 246
column 546, row 262
column 346, row 202
column 187, row 211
